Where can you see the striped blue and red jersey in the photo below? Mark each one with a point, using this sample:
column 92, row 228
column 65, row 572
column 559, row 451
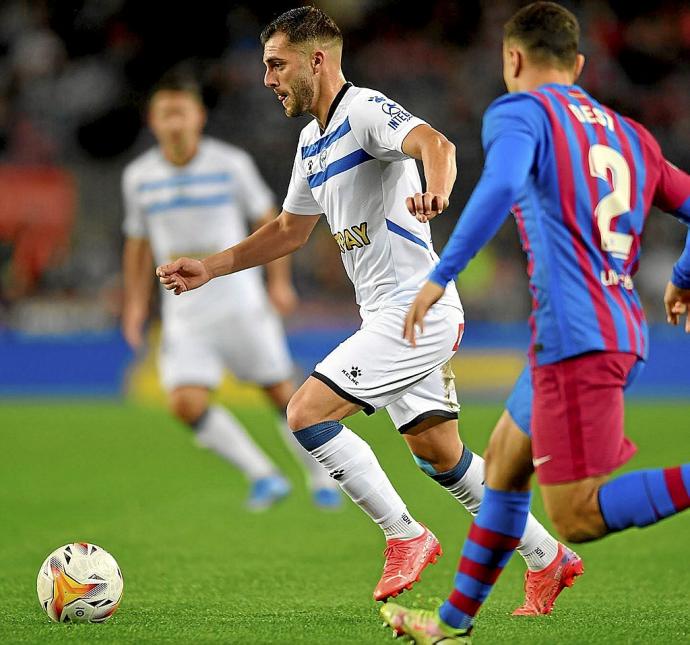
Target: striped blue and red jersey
column 581, row 180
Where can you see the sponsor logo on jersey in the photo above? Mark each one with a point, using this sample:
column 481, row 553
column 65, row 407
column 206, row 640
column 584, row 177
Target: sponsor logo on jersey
column 353, row 237
column 393, row 110
column 611, row 278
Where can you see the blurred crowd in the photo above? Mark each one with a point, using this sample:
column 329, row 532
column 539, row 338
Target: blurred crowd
column 74, row 77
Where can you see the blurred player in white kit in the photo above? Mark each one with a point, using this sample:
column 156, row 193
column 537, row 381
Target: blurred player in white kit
column 193, row 195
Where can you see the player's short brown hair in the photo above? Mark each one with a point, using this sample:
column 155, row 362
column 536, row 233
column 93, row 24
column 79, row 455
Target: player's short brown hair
column 302, row 25
column 549, row 31
column 178, row 80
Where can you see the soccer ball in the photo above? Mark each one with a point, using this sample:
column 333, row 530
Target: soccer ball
column 79, row 583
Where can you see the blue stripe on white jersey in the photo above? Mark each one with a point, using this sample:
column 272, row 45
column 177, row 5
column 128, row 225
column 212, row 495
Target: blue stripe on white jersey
column 185, row 180
column 324, row 142
column 403, row 232
column 187, row 201
column 343, row 164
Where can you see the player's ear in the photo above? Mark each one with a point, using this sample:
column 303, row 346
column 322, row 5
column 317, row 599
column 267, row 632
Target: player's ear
column 516, row 62
column 317, row 61
column 579, row 64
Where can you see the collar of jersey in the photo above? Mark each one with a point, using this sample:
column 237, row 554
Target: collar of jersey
column 334, row 105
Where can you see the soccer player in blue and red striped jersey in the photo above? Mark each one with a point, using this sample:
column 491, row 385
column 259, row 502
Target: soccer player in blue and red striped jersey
column 580, row 179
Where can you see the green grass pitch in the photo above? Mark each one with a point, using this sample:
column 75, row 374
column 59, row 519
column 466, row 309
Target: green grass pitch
column 198, row 569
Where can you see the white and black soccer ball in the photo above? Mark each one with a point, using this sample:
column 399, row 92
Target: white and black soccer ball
column 79, row 583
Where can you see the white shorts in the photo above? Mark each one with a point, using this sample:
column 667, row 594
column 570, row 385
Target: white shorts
column 251, row 345
column 377, row 368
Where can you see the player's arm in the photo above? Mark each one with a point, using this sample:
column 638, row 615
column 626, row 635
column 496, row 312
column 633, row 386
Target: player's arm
column 279, row 237
column 677, row 294
column 138, row 285
column 673, row 196
column 508, row 162
column 281, row 290
column 437, row 155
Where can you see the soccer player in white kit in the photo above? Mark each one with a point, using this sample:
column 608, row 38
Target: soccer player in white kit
column 195, row 195
column 355, row 162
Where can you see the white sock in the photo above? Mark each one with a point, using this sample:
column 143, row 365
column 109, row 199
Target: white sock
column 351, row 462
column 218, row 430
column 469, row 490
column 317, row 475
column 537, row 546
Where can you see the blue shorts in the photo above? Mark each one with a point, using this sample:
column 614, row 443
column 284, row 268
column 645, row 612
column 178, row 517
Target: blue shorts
column 519, row 402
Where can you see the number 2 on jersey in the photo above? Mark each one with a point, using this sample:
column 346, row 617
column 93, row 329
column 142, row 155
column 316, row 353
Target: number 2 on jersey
column 603, row 159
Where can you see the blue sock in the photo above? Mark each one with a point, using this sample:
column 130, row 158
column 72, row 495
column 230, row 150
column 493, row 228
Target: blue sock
column 448, row 477
column 644, row 497
column 493, row 537
column 314, row 436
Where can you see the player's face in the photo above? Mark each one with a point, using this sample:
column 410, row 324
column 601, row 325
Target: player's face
column 289, row 75
column 176, row 119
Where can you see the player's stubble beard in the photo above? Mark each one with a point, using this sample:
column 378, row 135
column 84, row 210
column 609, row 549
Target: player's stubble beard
column 301, row 96
column 182, row 147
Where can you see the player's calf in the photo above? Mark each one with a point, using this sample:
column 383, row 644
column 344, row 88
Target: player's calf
column 644, row 497
column 574, row 509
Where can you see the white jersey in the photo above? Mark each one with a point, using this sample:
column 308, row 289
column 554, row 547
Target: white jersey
column 356, row 173
column 196, row 210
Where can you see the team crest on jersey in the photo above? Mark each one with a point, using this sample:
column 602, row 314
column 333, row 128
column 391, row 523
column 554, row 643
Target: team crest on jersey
column 353, row 237
column 322, row 159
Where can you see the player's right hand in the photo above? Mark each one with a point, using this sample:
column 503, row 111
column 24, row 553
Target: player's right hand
column 184, row 274
column 428, row 295
column 133, row 327
column 677, row 304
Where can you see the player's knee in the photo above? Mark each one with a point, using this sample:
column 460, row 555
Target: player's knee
column 299, row 413
column 188, row 409
column 579, row 521
column 573, row 529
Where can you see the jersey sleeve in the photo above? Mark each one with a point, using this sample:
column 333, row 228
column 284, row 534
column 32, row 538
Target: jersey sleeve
column 381, row 125
column 255, row 194
column 510, row 146
column 299, row 199
column 673, row 191
column 681, row 270
column 134, row 223
column 672, row 194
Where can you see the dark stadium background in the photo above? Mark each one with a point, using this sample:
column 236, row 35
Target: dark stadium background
column 74, row 76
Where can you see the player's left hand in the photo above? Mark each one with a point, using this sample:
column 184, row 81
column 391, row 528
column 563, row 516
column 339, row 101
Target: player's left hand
column 677, row 304
column 283, row 297
column 425, row 206
column 429, row 294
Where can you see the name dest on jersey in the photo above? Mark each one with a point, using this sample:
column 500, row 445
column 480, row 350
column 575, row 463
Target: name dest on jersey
column 589, row 114
column 392, row 109
column 353, row 237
